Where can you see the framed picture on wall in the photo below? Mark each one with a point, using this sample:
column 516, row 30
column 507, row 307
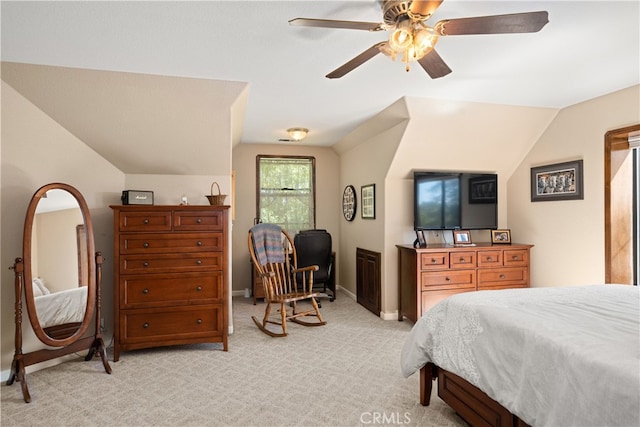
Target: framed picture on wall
column 559, row 181
column 368, row 201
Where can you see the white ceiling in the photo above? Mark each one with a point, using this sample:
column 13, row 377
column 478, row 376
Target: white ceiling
column 589, row 48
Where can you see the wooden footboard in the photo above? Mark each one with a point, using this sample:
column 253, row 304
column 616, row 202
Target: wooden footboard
column 469, row 402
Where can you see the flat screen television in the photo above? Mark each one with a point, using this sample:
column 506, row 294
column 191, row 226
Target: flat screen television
column 455, row 200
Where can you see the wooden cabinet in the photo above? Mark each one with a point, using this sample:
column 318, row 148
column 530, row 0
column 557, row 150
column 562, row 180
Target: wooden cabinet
column 429, row 275
column 369, row 280
column 170, row 276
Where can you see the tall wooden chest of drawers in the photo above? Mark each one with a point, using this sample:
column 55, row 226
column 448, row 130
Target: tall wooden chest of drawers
column 428, row 275
column 170, row 276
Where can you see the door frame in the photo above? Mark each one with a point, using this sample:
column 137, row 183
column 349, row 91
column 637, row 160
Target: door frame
column 616, row 147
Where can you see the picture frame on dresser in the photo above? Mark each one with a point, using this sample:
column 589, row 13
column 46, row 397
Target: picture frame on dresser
column 462, row 237
column 501, row 237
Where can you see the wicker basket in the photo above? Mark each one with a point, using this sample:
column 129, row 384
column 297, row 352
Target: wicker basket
column 216, row 200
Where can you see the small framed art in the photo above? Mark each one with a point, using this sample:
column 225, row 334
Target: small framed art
column 368, row 201
column 501, row 237
column 462, row 237
column 559, row 181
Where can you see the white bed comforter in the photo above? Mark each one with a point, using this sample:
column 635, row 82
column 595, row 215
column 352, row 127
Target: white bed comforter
column 567, row 356
column 62, row 307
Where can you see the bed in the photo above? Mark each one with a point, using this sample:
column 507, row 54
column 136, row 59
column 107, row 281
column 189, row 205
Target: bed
column 61, row 313
column 563, row 356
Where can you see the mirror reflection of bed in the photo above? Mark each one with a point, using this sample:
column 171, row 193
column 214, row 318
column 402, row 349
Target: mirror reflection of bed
column 58, row 264
column 57, row 277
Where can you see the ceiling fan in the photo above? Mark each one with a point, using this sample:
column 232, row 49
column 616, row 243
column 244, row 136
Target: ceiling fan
column 413, row 40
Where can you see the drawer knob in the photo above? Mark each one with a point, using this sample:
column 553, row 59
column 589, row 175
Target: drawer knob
column 199, row 321
column 145, row 221
column 198, row 262
column 433, row 260
column 502, row 276
column 145, row 291
column 199, row 243
column 199, row 221
column 462, row 261
column 489, row 258
column 145, row 264
column 145, row 325
column 198, row 288
column 447, row 279
column 145, row 244
column 515, row 257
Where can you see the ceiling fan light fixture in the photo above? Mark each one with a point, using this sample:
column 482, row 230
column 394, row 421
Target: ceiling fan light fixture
column 402, row 37
column 297, row 134
column 424, row 42
column 389, row 51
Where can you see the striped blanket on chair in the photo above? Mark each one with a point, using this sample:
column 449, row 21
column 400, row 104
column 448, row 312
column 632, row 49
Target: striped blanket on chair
column 267, row 243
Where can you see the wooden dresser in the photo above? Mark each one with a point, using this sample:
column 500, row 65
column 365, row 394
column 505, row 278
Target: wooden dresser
column 428, row 275
column 170, row 276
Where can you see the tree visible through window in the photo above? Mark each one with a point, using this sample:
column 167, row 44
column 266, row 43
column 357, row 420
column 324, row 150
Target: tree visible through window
column 286, row 191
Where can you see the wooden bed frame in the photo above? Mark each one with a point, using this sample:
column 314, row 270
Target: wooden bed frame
column 470, row 403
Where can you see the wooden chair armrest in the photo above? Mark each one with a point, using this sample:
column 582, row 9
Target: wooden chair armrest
column 303, row 269
column 307, row 274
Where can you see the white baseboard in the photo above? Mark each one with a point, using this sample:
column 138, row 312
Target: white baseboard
column 389, row 316
column 384, row 316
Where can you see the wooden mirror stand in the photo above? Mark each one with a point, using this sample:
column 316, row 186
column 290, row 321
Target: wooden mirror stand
column 66, row 336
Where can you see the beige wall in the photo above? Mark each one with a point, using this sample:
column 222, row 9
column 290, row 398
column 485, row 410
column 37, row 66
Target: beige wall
column 569, row 235
column 368, row 163
column 435, row 135
column 328, row 199
column 36, row 151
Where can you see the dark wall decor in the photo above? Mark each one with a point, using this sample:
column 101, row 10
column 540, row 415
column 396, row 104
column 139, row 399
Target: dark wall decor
column 559, row 181
column 368, row 201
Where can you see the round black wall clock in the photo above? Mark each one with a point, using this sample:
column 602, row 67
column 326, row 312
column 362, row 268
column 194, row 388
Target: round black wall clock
column 349, row 203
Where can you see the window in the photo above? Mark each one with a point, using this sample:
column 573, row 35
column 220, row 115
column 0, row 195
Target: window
column 286, row 191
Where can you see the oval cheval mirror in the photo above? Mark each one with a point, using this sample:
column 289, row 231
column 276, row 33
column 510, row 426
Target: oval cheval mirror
column 59, row 275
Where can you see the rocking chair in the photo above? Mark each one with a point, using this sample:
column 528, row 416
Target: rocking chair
column 274, row 256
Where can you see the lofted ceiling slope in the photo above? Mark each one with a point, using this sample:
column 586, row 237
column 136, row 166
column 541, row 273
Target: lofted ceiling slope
column 140, row 123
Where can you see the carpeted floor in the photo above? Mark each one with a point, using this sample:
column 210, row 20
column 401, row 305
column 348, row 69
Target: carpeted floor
column 343, row 374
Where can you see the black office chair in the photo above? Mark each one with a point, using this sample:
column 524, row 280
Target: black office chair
column 314, row 248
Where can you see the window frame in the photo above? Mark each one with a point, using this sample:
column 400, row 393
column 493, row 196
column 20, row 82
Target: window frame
column 312, row 159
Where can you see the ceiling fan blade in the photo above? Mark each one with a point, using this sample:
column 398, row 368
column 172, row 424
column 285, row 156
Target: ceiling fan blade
column 527, row 22
column 356, row 62
column 434, row 65
column 423, row 10
column 330, row 23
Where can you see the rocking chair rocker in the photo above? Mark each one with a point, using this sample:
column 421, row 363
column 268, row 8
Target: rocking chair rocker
column 274, row 256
